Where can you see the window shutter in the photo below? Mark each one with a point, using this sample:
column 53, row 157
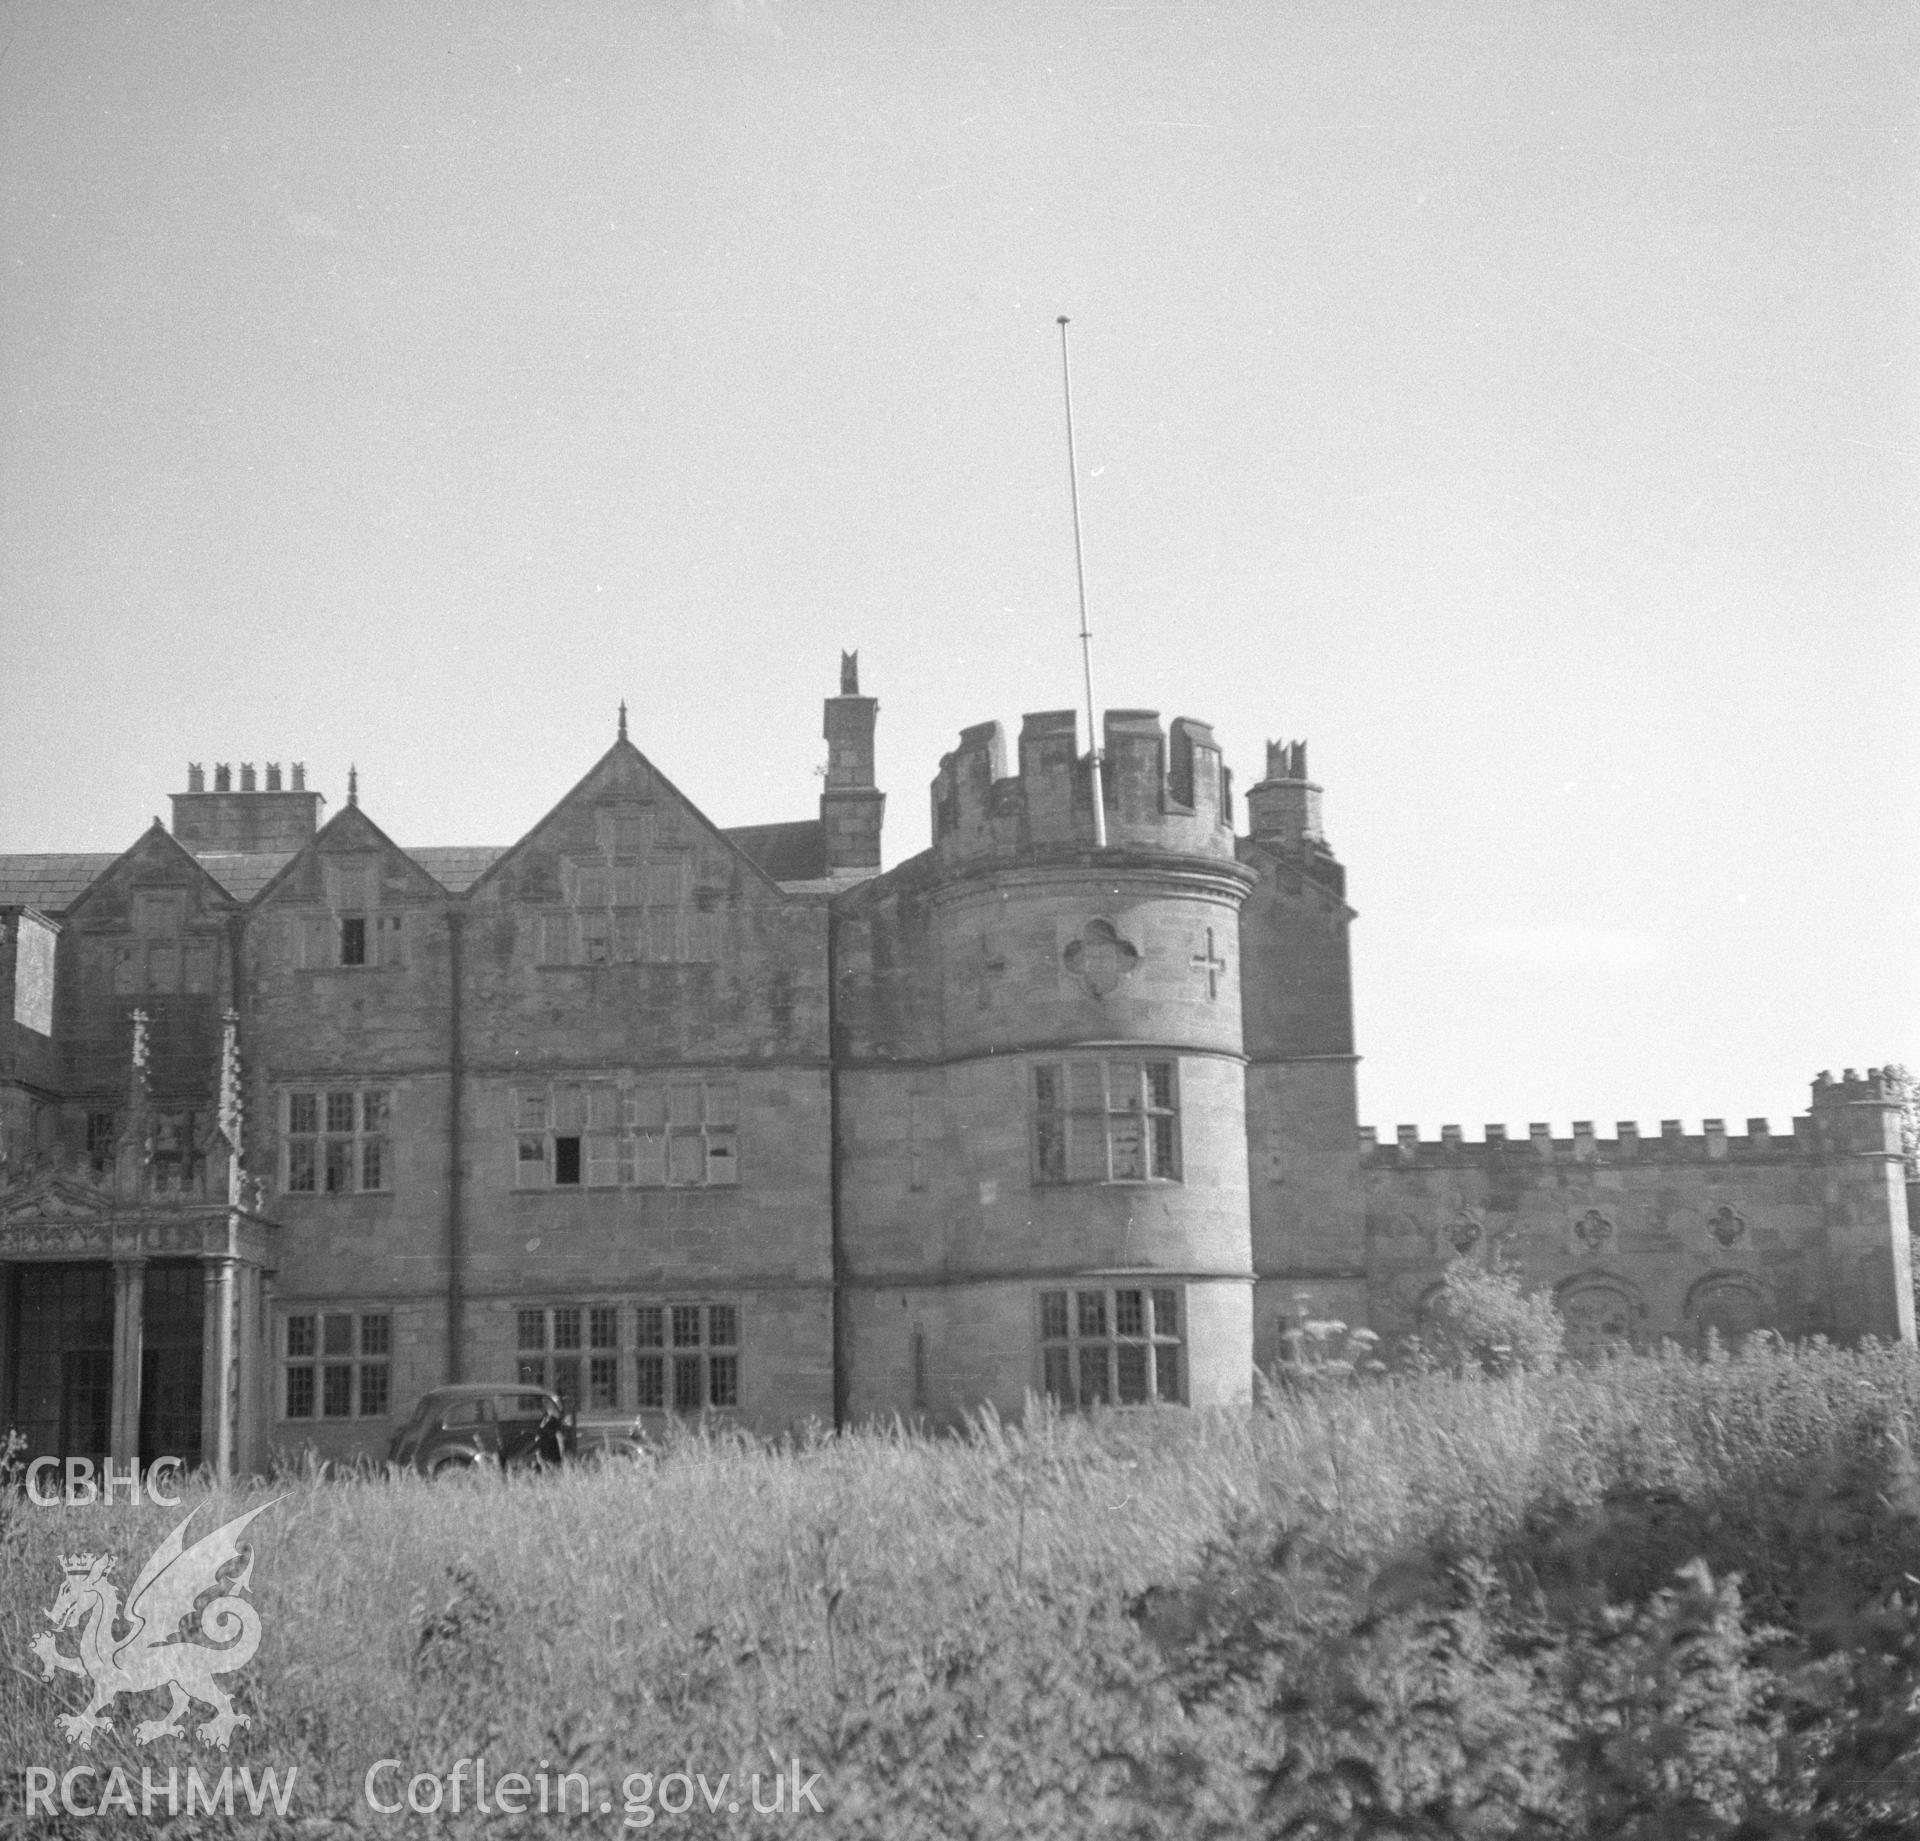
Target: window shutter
column 530, row 1163
column 603, row 1160
column 650, row 1159
column 687, row 1153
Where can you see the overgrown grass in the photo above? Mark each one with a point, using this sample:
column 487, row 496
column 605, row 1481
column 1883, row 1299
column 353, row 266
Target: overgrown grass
column 1658, row 1598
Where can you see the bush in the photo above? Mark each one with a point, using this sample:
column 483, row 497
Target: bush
column 1483, row 1319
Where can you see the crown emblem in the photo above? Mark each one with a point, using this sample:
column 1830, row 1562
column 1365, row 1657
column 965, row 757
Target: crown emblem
column 78, row 1565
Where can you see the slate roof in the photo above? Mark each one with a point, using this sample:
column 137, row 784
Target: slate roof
column 457, row 867
column 49, row 880
column 53, row 880
column 795, row 852
column 243, row 874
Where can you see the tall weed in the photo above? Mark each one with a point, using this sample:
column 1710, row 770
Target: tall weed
column 1659, row 1597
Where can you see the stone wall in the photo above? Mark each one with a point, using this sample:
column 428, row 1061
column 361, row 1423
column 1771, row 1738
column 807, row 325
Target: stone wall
column 1642, row 1238
column 739, row 1012
column 1013, row 954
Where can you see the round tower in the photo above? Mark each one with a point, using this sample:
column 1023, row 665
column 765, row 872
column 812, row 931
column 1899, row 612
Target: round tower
column 1080, row 1150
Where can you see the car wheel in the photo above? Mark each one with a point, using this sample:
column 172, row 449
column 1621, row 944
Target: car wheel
column 460, row 1465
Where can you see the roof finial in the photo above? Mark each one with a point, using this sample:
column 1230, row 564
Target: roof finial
column 623, row 719
column 849, row 674
column 353, row 786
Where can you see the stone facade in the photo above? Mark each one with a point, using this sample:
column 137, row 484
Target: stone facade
column 1648, row 1237
column 681, row 1120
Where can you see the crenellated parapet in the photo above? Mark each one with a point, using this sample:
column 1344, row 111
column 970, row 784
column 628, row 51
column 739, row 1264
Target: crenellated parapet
column 1859, row 1112
column 1672, row 1143
column 1164, row 791
column 1851, row 1115
column 1876, row 1087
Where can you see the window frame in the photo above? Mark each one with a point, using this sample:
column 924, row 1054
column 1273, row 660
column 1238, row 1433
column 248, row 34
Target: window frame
column 632, row 907
column 686, row 1347
column 575, row 1355
column 1080, row 1325
column 1067, row 1129
column 317, row 1150
column 318, row 1356
column 353, row 929
column 670, row 1131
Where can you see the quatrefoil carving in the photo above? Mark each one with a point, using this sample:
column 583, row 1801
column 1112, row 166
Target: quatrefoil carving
column 1100, row 958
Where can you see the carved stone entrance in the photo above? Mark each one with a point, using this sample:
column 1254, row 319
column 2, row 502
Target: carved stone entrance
column 134, row 1328
column 62, row 1342
column 172, row 1360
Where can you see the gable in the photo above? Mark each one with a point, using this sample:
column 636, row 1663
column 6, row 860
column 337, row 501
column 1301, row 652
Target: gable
column 344, row 900
column 625, row 815
column 350, row 863
column 149, row 933
column 156, row 866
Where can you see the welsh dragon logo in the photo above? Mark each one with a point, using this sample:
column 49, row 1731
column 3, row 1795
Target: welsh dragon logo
column 151, row 1654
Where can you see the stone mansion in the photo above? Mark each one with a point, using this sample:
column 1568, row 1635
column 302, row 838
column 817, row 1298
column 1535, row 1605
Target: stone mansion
column 296, row 1123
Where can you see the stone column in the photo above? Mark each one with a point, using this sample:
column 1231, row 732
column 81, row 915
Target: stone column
column 266, row 1386
column 216, row 1373
column 129, row 1292
column 9, row 1406
column 246, row 1372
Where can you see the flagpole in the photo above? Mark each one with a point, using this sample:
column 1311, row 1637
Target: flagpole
column 1086, row 633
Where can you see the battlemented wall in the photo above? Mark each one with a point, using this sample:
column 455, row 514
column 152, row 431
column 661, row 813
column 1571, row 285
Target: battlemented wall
column 1644, row 1237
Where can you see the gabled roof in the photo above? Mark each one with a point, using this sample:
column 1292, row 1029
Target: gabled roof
column 49, row 880
column 156, row 838
column 794, row 852
column 243, row 874
column 457, row 867
column 52, row 880
column 623, row 750
column 350, row 818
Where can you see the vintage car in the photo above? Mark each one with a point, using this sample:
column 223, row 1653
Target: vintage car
column 496, row 1425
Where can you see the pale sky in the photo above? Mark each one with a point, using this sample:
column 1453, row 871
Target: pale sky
column 1518, row 402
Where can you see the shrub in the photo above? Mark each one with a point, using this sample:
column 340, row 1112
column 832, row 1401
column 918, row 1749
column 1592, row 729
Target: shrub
column 1482, row 1318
